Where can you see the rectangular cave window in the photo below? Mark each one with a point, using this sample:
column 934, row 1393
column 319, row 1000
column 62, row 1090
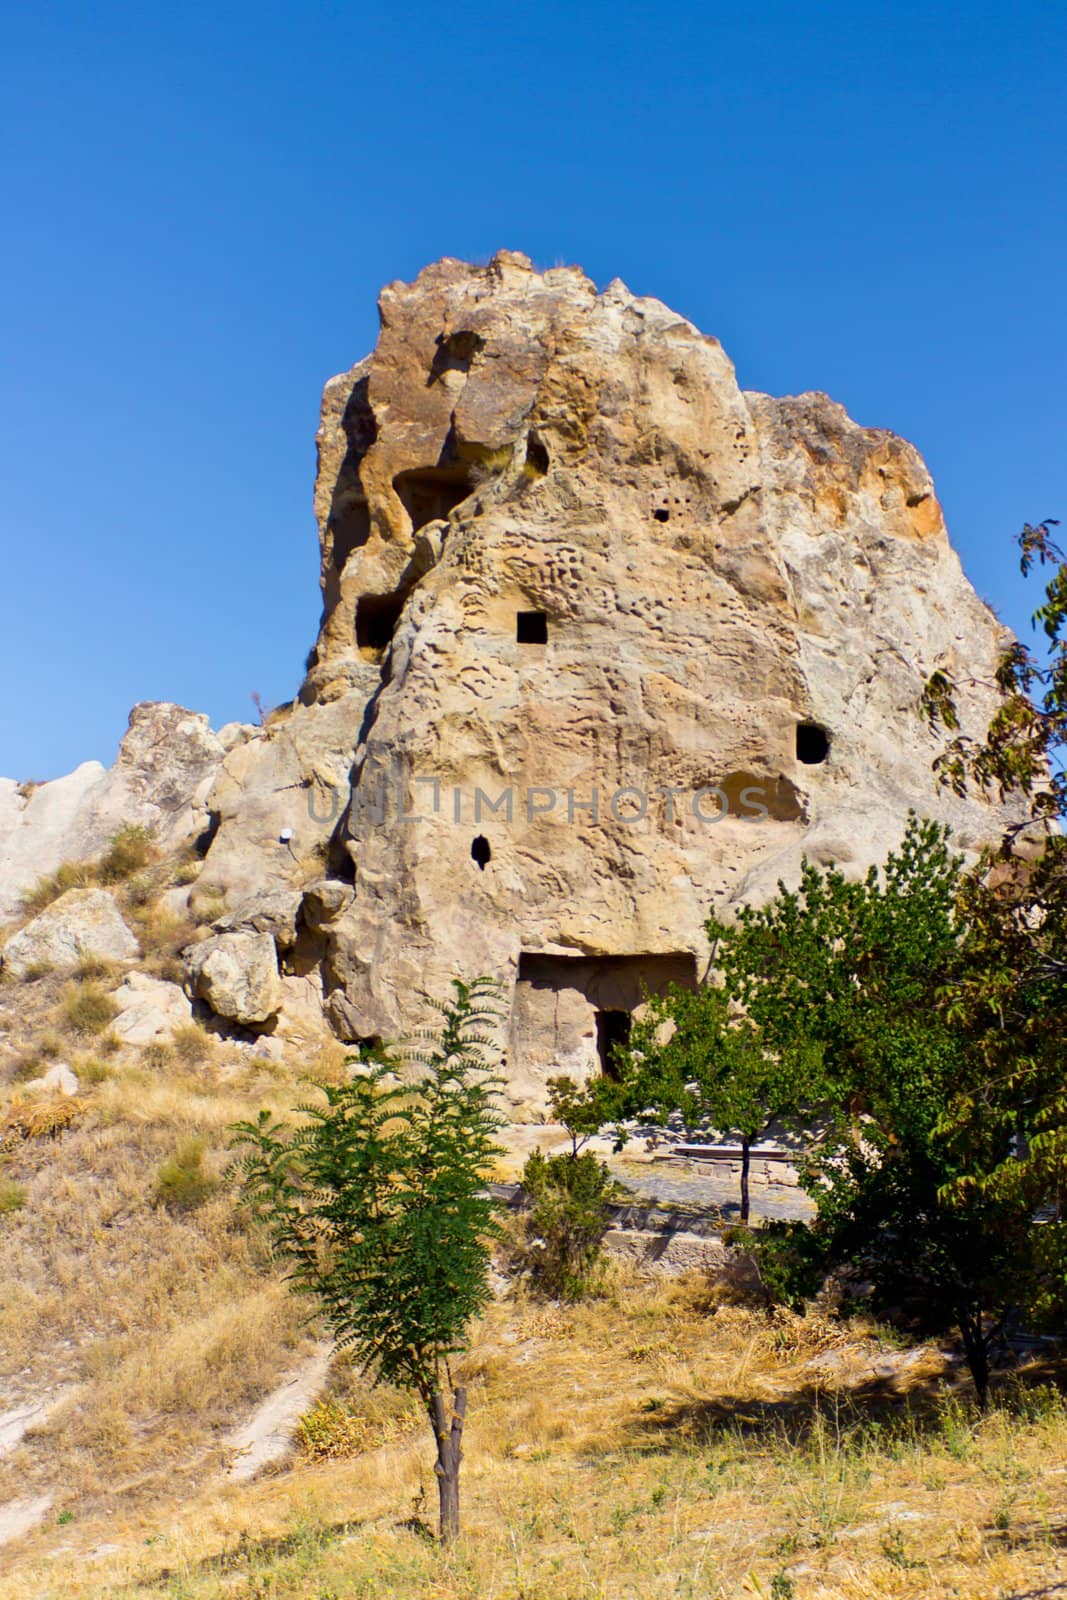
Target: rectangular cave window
column 612, row 1033
column 531, row 627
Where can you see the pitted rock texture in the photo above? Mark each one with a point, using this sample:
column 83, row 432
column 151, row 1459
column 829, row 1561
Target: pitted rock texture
column 606, row 643
column 236, row 974
column 589, row 571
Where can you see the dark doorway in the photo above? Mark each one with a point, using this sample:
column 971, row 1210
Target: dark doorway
column 531, row 627
column 612, row 1033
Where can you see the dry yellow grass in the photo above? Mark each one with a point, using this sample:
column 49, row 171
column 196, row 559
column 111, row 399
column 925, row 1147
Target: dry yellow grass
column 639, row 1446
column 656, row 1442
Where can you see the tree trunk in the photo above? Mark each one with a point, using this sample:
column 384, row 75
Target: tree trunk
column 977, row 1352
column 746, row 1146
column 448, row 1433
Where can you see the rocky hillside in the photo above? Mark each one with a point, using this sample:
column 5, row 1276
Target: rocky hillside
column 606, row 642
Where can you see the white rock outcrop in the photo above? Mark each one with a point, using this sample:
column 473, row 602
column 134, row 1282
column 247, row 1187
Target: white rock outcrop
column 149, row 1009
column 166, row 767
column 83, row 924
column 607, row 642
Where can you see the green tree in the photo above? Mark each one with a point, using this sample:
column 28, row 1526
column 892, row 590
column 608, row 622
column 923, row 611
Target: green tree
column 584, row 1109
column 696, row 1052
column 1008, row 1119
column 378, row 1204
column 568, row 1197
column 852, row 972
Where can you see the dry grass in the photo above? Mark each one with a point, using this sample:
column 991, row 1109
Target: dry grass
column 659, row 1441
column 638, row 1446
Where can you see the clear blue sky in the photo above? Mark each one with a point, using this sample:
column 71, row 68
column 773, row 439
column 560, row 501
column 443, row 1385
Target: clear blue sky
column 201, row 201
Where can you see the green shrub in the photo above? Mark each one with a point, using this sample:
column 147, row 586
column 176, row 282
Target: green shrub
column 129, row 852
column 12, row 1196
column 562, row 1232
column 156, row 1055
column 87, row 1010
column 91, row 1071
column 181, row 1182
column 92, row 968
column 30, row 1065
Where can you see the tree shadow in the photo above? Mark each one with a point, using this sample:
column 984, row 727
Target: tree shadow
column 249, row 1551
column 875, row 1410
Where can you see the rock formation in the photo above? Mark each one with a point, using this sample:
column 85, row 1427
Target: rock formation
column 606, row 642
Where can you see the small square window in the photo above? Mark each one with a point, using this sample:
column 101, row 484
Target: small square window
column 531, row 627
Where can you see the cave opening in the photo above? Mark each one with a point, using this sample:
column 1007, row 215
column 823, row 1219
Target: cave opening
column 813, row 744
column 537, row 462
column 431, row 494
column 481, row 852
column 531, row 627
column 612, row 1036
column 376, row 618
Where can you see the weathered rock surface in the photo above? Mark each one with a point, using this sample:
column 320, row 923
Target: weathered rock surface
column 59, row 1079
column 606, row 642
column 166, row 766
column 82, row 924
column 149, row 1009
column 236, row 974
column 675, row 633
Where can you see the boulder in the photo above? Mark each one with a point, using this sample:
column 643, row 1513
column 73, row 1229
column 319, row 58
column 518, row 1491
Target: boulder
column 236, row 974
column 324, row 902
column 272, row 911
column 82, row 924
column 149, row 1009
column 59, row 1079
column 167, row 764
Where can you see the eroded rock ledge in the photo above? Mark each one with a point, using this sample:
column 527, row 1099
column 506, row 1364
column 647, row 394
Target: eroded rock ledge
column 563, row 556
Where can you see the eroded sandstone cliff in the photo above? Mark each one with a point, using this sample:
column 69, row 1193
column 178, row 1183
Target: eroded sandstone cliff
column 605, row 642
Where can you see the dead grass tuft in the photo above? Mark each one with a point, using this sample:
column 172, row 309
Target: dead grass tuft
column 86, row 1010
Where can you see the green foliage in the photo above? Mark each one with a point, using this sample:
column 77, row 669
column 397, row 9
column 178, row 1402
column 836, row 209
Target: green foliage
column 192, row 1044
column 852, row 972
column 695, row 1051
column 70, row 875
column 379, row 1205
column 87, row 1009
column 378, row 1201
column 128, row 852
column 563, row 1229
column 1007, row 1121
column 1023, row 747
column 584, row 1109
column 12, row 1196
column 181, row 1182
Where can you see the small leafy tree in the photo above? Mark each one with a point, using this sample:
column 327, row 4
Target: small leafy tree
column 693, row 1051
column 568, row 1197
column 378, row 1204
column 853, row 971
column 584, row 1109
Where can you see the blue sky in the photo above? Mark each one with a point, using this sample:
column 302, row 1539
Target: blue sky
column 200, row 203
